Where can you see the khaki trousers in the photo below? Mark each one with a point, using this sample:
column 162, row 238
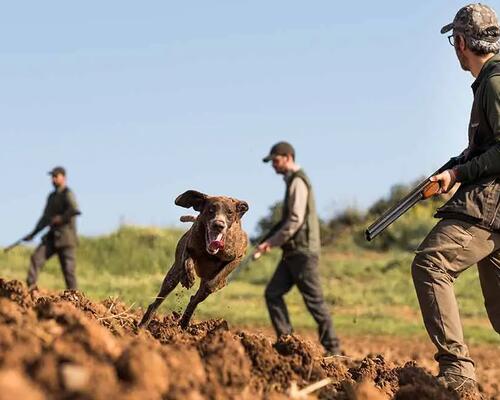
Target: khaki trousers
column 450, row 248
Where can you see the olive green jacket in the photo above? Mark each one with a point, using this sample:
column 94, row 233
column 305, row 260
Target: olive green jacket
column 60, row 202
column 478, row 198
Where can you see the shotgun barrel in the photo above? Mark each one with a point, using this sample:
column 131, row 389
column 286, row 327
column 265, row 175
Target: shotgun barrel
column 422, row 191
column 15, row 244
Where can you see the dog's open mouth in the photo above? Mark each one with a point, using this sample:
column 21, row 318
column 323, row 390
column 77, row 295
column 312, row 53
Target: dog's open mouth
column 215, row 242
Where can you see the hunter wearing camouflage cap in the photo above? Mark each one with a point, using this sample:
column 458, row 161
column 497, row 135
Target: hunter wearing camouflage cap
column 479, row 25
column 468, row 232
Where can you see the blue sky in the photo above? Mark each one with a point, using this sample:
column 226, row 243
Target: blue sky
column 141, row 101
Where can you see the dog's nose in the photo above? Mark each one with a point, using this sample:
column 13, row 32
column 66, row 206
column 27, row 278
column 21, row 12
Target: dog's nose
column 219, row 225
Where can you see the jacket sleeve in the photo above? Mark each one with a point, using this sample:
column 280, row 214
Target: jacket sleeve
column 297, row 205
column 488, row 163
column 72, row 208
column 271, row 232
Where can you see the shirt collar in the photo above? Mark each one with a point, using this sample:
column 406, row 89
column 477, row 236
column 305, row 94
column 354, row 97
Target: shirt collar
column 290, row 173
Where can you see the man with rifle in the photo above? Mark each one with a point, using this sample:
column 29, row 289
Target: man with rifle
column 469, row 229
column 298, row 236
column 61, row 239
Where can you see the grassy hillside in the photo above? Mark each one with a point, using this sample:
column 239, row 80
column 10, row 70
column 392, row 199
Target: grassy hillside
column 369, row 291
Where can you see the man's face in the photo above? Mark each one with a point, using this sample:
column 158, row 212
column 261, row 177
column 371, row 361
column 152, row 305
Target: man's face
column 58, row 180
column 281, row 163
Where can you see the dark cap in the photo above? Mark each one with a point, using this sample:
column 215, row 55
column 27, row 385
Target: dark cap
column 477, row 21
column 56, row 171
column 280, row 149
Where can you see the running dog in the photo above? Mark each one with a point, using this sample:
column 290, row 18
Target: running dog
column 212, row 248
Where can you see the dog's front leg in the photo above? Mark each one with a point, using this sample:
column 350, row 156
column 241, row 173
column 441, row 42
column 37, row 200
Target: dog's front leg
column 220, row 280
column 169, row 283
column 200, row 295
column 206, row 288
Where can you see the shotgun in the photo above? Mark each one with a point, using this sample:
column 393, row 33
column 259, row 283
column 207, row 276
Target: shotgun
column 422, row 191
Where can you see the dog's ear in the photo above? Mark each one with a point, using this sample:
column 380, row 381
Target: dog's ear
column 241, row 207
column 191, row 198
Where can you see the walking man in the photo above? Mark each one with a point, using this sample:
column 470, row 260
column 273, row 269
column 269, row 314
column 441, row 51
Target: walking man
column 469, row 231
column 298, row 235
column 61, row 239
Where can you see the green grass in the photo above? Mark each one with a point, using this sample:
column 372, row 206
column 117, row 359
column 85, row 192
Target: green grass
column 369, row 292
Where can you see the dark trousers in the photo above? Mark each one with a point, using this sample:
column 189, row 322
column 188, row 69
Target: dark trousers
column 66, row 257
column 302, row 270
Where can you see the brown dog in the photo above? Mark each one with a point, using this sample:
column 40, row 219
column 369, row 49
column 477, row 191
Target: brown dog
column 211, row 249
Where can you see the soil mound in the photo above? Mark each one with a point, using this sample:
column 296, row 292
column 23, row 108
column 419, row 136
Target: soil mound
column 65, row 346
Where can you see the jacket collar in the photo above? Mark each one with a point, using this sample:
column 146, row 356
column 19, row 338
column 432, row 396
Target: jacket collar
column 485, row 71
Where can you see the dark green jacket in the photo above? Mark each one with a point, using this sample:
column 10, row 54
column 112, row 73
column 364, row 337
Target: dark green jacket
column 477, row 199
column 60, row 202
column 307, row 237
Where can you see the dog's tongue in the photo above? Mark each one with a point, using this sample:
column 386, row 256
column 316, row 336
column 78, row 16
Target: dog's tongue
column 217, row 244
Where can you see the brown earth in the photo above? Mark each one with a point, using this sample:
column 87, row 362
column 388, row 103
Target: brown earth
column 64, row 346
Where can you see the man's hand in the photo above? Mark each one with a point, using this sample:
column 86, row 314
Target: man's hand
column 264, row 247
column 446, row 179
column 56, row 220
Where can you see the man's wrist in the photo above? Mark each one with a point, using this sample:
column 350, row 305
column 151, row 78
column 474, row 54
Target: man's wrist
column 264, row 247
column 267, row 244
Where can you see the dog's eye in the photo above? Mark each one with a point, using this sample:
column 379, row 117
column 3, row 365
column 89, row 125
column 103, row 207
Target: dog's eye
column 211, row 210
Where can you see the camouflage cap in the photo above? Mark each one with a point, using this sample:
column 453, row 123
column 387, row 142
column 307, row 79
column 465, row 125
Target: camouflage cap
column 477, row 21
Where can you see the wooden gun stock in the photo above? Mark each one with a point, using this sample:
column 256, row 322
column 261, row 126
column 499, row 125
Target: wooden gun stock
column 431, row 189
column 422, row 191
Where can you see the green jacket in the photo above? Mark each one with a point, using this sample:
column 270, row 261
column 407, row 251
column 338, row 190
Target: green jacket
column 307, row 238
column 478, row 198
column 60, row 202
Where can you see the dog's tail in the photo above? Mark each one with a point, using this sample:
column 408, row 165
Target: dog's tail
column 188, row 218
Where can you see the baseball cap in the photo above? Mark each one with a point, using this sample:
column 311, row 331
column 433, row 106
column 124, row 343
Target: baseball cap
column 279, row 149
column 57, row 170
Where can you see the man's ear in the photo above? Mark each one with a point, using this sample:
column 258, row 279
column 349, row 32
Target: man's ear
column 461, row 42
column 241, row 208
column 191, row 198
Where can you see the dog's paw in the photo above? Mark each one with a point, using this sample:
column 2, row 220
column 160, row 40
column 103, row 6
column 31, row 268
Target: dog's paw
column 184, row 323
column 146, row 320
column 142, row 325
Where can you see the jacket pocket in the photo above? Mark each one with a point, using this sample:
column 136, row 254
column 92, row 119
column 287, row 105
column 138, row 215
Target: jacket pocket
column 457, row 234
